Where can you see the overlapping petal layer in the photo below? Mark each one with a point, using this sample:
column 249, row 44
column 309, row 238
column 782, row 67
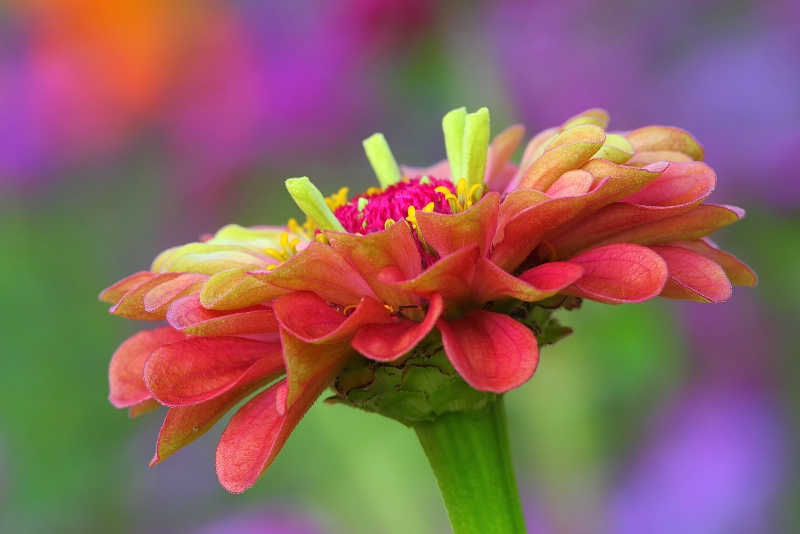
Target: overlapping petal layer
column 471, row 277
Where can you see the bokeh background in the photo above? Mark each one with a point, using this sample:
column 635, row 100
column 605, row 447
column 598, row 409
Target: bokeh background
column 128, row 126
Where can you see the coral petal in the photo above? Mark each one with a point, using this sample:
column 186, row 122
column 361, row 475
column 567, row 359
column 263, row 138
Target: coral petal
column 114, row 294
column 491, row 282
column 571, row 184
column 199, row 369
column 184, row 424
column 491, row 351
column 451, row 277
column 619, row 273
column 320, row 269
column 571, row 149
column 163, row 294
column 387, row 342
column 736, row 270
column 473, row 227
column 125, row 372
column 693, row 277
column 309, row 318
column 190, row 317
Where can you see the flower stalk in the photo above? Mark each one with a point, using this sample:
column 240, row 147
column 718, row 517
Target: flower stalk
column 470, row 455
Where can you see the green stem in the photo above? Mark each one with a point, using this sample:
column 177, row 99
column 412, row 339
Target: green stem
column 470, row 456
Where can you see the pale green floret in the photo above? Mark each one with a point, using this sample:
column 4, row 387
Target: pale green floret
column 616, row 149
column 313, row 204
column 475, row 147
column 425, row 180
column 383, row 163
column 453, row 127
column 362, row 203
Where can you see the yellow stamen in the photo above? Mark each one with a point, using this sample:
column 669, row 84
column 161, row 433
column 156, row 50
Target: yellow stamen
column 337, row 199
column 412, row 214
column 462, row 199
column 287, row 250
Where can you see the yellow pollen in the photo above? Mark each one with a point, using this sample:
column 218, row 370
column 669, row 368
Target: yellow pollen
column 462, row 199
column 337, row 199
column 287, row 250
column 412, row 214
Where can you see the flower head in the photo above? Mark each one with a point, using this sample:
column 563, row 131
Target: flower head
column 429, row 294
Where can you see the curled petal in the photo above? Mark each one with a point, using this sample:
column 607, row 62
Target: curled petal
column 492, row 282
column 235, row 288
column 451, row 277
column 159, row 298
column 491, row 351
column 693, row 277
column 131, row 306
column 738, row 273
column 199, row 369
column 681, row 184
column 387, row 342
column 320, row 269
column 375, row 255
column 184, row 424
column 665, row 138
column 571, row 149
column 114, row 293
column 571, row 184
column 473, row 227
column 619, row 273
column 311, row 319
column 125, row 380
column 206, row 258
column 190, row 317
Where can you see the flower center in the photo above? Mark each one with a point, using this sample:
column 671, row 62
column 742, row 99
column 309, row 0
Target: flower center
column 375, row 209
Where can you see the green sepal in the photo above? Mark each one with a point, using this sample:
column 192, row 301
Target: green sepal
column 383, row 163
column 453, row 126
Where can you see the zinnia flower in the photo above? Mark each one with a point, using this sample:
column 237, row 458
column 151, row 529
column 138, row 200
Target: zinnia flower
column 428, row 295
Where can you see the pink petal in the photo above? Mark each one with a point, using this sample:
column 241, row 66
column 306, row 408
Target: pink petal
column 190, row 317
column 313, row 320
column 387, row 342
column 571, row 184
column 619, row 273
column 257, row 432
column 693, row 277
column 698, row 222
column 473, row 227
column 451, row 277
column 321, row 269
column 681, row 184
column 184, row 424
column 498, row 170
column 199, row 369
column 376, row 254
column 491, row 351
column 738, row 273
column 125, row 371
column 492, row 282
column 439, row 170
column 113, row 294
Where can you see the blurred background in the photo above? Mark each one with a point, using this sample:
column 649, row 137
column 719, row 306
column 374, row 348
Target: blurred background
column 130, row 126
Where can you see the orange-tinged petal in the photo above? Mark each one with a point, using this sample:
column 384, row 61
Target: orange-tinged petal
column 646, row 157
column 184, row 424
column 309, row 318
column 158, row 299
column 190, row 317
column 571, row 184
column 737, row 272
column 387, row 342
column 208, row 259
column 492, row 282
column 391, row 253
column 235, row 288
column 665, row 138
column 131, row 306
column 491, row 351
column 619, row 273
column 449, row 233
column 197, row 370
column 693, row 277
column 125, row 380
column 571, row 149
column 321, row 269
column 114, row 294
column 451, row 277
column 698, row 222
